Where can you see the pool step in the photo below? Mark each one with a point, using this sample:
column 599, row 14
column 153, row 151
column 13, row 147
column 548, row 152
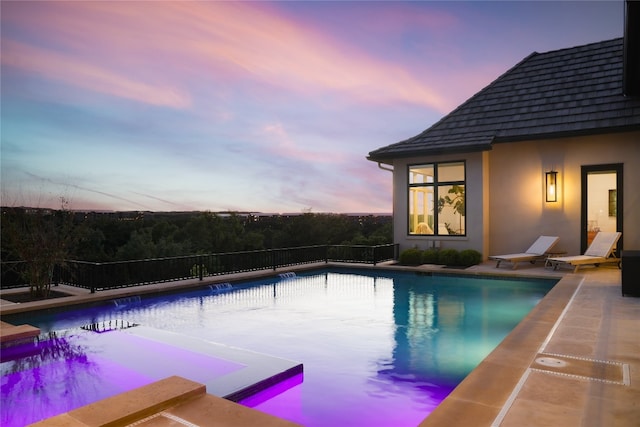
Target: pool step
column 165, row 402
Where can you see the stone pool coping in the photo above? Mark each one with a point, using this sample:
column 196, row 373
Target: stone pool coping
column 168, row 402
column 584, row 317
column 11, row 333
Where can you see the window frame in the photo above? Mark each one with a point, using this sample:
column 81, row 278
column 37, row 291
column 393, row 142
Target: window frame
column 435, row 185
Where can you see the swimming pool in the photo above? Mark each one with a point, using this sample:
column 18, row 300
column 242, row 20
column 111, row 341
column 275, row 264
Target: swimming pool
column 379, row 348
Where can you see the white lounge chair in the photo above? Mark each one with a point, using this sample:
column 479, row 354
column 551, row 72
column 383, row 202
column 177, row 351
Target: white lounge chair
column 537, row 251
column 600, row 251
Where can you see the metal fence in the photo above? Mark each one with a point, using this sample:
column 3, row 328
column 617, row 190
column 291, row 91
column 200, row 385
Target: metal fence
column 109, row 275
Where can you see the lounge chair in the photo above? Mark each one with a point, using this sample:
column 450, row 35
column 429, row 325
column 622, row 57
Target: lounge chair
column 537, row 251
column 600, row 251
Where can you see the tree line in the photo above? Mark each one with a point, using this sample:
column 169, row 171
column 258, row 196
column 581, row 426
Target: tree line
column 104, row 237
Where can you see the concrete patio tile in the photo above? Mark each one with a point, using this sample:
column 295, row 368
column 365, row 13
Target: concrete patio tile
column 554, row 390
column 534, row 413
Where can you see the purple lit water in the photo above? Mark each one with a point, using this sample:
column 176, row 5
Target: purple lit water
column 75, row 367
column 378, row 348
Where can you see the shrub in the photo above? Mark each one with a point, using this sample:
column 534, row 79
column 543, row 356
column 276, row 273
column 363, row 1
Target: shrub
column 411, row 256
column 448, row 257
column 430, row 256
column 469, row 257
column 195, row 271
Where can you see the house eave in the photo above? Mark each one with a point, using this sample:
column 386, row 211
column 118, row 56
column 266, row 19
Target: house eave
column 388, row 158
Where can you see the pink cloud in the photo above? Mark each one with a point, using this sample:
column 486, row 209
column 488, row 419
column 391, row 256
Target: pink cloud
column 75, row 72
column 283, row 146
column 191, row 43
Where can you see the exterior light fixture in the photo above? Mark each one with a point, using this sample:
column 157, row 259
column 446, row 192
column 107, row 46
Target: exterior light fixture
column 551, row 186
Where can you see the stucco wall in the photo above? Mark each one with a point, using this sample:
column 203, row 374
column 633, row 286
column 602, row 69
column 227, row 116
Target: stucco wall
column 518, row 211
column 506, row 210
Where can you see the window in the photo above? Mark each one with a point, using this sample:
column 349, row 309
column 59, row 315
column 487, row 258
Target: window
column 437, row 199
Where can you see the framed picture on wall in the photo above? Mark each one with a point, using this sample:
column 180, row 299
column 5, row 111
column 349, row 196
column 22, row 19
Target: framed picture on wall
column 613, row 202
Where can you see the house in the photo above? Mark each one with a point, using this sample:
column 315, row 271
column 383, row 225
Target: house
column 551, row 147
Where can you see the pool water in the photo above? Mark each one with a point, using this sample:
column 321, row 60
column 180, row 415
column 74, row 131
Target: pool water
column 379, row 348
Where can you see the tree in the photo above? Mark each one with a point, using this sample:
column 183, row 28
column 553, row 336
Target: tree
column 89, row 244
column 41, row 238
column 139, row 246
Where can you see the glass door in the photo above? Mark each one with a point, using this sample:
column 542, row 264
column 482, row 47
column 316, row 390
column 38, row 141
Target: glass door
column 601, row 202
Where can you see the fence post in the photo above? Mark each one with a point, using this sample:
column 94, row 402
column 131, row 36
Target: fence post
column 56, row 275
column 200, row 267
column 92, row 278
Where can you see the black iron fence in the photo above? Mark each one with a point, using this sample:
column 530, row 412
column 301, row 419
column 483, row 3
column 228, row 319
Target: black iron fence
column 12, row 273
column 109, row 275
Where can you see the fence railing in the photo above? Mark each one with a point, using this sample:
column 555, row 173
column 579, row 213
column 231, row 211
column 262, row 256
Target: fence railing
column 110, row 275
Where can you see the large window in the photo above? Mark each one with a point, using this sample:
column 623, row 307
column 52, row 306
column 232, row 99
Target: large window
column 437, row 199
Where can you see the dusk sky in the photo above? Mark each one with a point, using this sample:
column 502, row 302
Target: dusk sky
column 247, row 106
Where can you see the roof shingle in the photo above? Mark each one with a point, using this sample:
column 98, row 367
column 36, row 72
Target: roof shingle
column 566, row 92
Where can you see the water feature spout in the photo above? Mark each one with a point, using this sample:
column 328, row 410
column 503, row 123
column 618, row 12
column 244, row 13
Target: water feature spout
column 220, row 287
column 127, row 301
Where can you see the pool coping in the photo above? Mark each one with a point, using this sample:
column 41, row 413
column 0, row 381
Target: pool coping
column 171, row 401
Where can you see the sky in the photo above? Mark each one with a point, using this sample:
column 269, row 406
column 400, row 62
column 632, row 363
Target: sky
column 247, row 106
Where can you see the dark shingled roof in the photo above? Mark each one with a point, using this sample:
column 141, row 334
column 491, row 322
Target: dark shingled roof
column 567, row 92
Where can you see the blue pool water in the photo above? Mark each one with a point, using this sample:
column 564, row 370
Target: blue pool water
column 379, row 348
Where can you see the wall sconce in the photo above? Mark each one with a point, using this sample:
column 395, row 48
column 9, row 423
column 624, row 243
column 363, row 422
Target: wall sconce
column 551, row 186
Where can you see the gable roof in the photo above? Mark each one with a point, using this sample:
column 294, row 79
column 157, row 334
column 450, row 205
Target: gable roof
column 566, row 92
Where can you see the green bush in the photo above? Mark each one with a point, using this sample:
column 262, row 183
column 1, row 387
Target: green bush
column 411, row 256
column 448, row 257
column 195, row 272
column 469, row 257
column 430, row 256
